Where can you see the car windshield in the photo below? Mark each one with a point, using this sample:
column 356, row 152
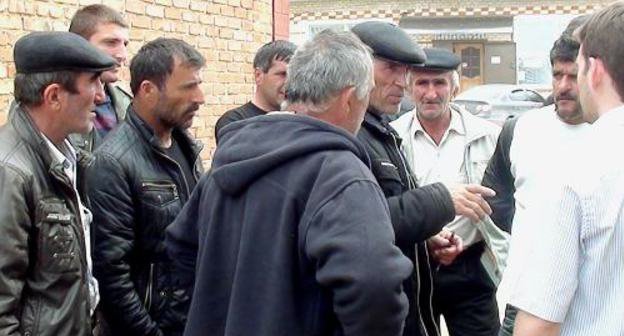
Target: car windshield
column 484, row 93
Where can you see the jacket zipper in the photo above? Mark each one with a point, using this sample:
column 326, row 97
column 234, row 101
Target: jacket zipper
column 147, row 301
column 166, row 186
column 188, row 192
column 411, row 185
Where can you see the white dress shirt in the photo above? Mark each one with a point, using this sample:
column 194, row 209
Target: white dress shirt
column 444, row 163
column 575, row 263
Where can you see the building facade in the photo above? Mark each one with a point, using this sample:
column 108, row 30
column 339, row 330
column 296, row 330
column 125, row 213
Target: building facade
column 499, row 41
column 226, row 32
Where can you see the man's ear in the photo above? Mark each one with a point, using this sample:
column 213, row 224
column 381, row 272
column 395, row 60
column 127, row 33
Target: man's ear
column 258, row 75
column 595, row 72
column 53, row 96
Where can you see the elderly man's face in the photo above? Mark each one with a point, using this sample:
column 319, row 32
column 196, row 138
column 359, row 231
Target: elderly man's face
column 390, row 82
column 431, row 92
column 566, row 93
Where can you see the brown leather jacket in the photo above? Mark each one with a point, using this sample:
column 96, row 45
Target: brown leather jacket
column 43, row 288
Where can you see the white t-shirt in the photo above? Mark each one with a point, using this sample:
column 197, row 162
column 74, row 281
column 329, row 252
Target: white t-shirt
column 539, row 142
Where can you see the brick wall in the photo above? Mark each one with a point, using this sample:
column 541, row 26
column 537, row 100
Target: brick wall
column 227, row 33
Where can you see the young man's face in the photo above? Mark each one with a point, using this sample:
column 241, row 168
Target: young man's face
column 181, row 96
column 270, row 84
column 113, row 40
column 78, row 109
column 585, row 97
column 566, row 92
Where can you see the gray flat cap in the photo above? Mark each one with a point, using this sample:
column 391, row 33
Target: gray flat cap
column 441, row 59
column 390, row 42
column 58, row 51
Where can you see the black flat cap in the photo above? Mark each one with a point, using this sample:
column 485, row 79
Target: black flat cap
column 390, row 42
column 58, row 51
column 441, row 59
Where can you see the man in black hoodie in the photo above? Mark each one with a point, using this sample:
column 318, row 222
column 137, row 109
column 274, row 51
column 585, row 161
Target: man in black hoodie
column 290, row 234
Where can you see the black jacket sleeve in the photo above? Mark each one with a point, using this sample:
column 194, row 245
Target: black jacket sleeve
column 420, row 213
column 498, row 177
column 350, row 239
column 113, row 225
column 15, row 225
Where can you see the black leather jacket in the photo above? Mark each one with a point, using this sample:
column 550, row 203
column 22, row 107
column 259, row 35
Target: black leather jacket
column 43, row 288
column 135, row 192
column 416, row 213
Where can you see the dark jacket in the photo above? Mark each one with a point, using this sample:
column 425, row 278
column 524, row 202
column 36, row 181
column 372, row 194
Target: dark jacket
column 498, row 177
column 242, row 112
column 292, row 236
column 417, row 214
column 43, row 288
column 135, row 191
column 120, row 100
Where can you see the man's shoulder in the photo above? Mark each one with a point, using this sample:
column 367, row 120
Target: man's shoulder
column 118, row 143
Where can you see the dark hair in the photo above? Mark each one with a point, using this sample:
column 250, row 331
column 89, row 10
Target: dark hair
column 601, row 38
column 278, row 50
column 565, row 49
column 85, row 20
column 28, row 88
column 155, row 60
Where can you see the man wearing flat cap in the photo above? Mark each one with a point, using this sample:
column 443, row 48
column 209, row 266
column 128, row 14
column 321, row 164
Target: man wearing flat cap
column 46, row 284
column 445, row 143
column 417, row 213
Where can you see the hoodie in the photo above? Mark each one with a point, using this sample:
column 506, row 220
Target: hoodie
column 289, row 234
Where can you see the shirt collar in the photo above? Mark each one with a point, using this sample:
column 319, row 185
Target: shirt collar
column 456, row 124
column 612, row 117
column 67, row 160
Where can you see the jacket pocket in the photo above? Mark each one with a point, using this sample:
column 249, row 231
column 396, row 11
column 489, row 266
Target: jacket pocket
column 388, row 177
column 59, row 249
column 159, row 193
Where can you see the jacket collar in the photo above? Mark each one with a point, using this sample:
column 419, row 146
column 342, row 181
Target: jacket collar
column 374, row 121
column 147, row 133
column 27, row 130
column 474, row 127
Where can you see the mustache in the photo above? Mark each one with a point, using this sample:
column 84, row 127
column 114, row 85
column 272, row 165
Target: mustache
column 432, row 101
column 192, row 108
column 566, row 96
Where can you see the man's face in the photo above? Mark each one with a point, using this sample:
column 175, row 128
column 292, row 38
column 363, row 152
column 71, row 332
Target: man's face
column 389, row 86
column 566, row 92
column 270, row 84
column 78, row 109
column 113, row 40
column 585, row 98
column 431, row 92
column 181, row 97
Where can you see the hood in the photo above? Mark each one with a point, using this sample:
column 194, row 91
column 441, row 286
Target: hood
column 251, row 148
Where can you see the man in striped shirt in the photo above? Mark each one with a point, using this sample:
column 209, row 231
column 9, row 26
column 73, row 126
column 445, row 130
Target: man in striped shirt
column 577, row 281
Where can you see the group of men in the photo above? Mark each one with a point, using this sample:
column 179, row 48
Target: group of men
column 318, row 216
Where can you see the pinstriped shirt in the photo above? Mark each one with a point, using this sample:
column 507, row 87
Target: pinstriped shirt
column 577, row 273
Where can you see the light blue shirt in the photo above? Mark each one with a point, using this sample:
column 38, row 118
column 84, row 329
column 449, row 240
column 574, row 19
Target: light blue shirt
column 577, row 273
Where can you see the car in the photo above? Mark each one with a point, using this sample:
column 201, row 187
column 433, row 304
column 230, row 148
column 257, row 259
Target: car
column 497, row 102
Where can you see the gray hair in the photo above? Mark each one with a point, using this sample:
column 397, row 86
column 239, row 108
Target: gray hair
column 324, row 66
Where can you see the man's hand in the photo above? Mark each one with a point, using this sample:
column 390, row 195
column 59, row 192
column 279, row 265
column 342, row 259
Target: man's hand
column 468, row 200
column 445, row 247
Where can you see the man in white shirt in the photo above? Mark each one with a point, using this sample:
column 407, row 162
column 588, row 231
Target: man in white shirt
column 444, row 143
column 524, row 163
column 576, row 282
